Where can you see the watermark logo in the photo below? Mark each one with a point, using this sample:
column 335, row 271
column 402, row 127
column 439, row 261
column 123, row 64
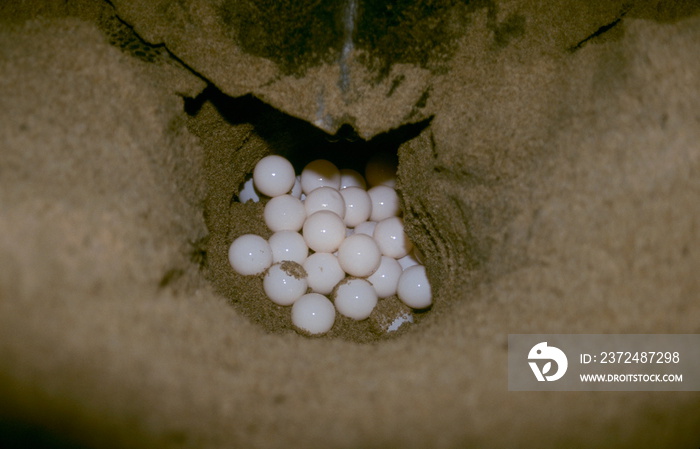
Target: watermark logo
column 604, row 362
column 543, row 352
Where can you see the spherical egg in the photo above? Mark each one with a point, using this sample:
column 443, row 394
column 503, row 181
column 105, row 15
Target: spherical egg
column 313, row 313
column 273, row 175
column 366, row 228
column 358, row 206
column 351, row 178
column 355, row 298
column 414, row 288
column 319, row 173
column 324, row 231
column 288, row 245
column 247, row 192
column 250, row 254
column 385, row 203
column 323, row 272
column 409, row 260
column 391, row 238
column 386, row 277
column 359, row 255
column 296, row 188
column 325, row 198
column 284, row 213
column 285, row 282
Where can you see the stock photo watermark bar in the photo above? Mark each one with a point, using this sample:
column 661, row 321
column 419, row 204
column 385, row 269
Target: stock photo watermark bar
column 604, row 362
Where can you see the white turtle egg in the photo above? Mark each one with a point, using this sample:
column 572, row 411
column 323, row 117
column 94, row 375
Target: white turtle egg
column 248, row 192
column 313, row 313
column 385, row 203
column 414, row 289
column 325, row 198
column 359, row 255
column 323, row 272
column 288, row 245
column 386, row 277
column 250, row 254
column 391, row 238
column 381, row 169
column 284, row 213
column 296, row 188
column 409, row 260
column 366, row 228
column 355, row 299
column 324, row 231
column 285, row 282
column 358, row 205
column 351, row 178
column 273, row 175
column 319, row 173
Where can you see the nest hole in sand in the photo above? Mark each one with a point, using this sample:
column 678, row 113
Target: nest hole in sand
column 238, row 132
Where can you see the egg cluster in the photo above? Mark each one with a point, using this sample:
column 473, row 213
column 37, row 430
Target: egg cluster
column 359, row 250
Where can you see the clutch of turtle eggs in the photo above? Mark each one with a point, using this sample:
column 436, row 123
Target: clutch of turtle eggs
column 359, row 250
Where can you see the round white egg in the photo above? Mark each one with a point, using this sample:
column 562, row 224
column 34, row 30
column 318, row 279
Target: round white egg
column 381, row 169
column 247, row 192
column 285, row 282
column 391, row 238
column 414, row 289
column 358, row 206
column 313, row 313
column 323, row 272
column 288, row 245
column 366, row 228
column 325, row 198
column 355, row 299
column 273, row 175
column 250, row 254
column 319, row 173
column 409, row 260
column 359, row 255
column 351, row 178
column 324, row 231
column 284, row 213
column 386, row 277
column 296, row 188
column 385, row 203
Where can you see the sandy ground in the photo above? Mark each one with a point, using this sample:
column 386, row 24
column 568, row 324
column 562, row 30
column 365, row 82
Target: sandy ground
column 550, row 179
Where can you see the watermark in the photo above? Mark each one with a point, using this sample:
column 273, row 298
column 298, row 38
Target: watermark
column 604, row 362
column 543, row 352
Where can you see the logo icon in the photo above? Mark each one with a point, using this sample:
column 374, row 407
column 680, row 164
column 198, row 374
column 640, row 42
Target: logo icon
column 543, row 352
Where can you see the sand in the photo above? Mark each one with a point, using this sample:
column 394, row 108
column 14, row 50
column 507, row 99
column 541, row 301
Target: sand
column 549, row 164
